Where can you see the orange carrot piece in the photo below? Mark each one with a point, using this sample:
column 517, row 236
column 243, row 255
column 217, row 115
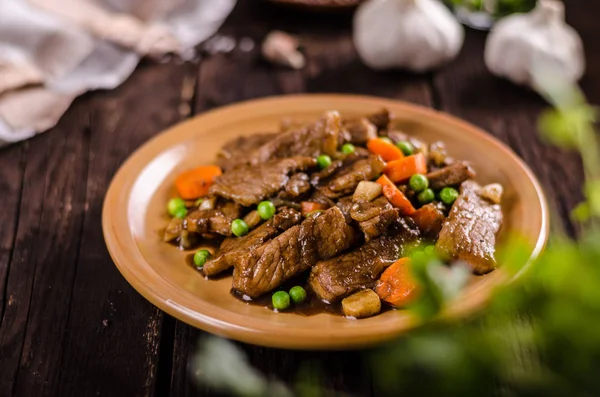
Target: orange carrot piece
column 395, row 196
column 309, row 206
column 195, row 183
column 387, row 151
column 396, row 285
column 401, row 170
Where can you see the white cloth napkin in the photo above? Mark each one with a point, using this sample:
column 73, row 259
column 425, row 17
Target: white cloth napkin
column 51, row 51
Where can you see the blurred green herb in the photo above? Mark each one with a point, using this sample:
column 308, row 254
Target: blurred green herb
column 539, row 336
column 496, row 8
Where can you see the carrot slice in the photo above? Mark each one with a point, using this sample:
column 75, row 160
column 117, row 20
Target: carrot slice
column 396, row 285
column 395, row 196
column 387, row 151
column 308, row 206
column 401, row 170
column 195, row 183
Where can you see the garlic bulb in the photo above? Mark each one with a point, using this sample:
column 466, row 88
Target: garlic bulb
column 522, row 44
column 413, row 34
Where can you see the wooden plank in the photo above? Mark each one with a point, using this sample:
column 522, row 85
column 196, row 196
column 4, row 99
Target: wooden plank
column 56, row 247
column 12, row 168
column 113, row 334
column 467, row 89
column 12, row 302
column 43, row 262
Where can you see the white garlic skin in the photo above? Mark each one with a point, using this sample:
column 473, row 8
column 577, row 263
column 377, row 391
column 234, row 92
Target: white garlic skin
column 521, row 44
column 414, row 34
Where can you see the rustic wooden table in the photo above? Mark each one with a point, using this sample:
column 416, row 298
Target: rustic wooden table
column 70, row 325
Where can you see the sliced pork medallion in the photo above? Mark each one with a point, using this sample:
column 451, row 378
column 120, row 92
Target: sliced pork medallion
column 293, row 252
column 334, row 279
column 469, row 233
column 454, row 174
column 236, row 246
column 374, row 217
column 347, row 177
column 359, row 131
column 249, row 185
column 321, row 137
column 237, row 151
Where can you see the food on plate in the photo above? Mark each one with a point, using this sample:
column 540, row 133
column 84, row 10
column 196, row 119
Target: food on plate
column 329, row 212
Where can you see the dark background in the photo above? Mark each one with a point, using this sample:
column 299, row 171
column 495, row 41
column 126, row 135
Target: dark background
column 70, row 325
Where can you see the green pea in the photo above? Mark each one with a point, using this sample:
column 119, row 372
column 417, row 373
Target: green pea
column 429, row 250
column 181, row 213
column 348, row 148
column 174, row 205
column 418, row 182
column 298, row 294
column 386, row 139
column 281, row 300
column 323, row 161
column 239, row 227
column 406, row 147
column 266, row 210
column 200, row 258
column 448, row 195
column 426, row 196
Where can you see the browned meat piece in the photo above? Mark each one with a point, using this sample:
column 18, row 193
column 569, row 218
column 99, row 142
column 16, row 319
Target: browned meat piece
column 249, row 185
column 429, row 219
column 437, row 154
column 375, row 217
column 454, row 174
column 174, row 229
column 347, row 177
column 236, row 151
column 233, row 247
column 345, row 274
column 321, row 137
column 217, row 220
column 381, row 119
column 345, row 205
column 292, row 252
column 297, row 187
column 360, row 131
column 469, row 233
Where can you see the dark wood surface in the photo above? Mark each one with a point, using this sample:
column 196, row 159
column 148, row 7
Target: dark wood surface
column 70, row 325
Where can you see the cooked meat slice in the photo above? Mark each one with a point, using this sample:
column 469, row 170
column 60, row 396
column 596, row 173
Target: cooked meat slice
column 321, row 137
column 374, row 217
column 236, row 151
column 334, row 279
column 381, row 119
column 236, row 246
column 347, row 177
column 469, row 233
column 217, row 220
column 174, row 229
column 360, row 131
column 345, row 205
column 437, row 154
column 249, row 185
column 298, row 186
column 317, row 177
column 292, row 252
column 429, row 219
column 454, row 174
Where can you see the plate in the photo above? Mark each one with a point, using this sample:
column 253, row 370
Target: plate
column 134, row 216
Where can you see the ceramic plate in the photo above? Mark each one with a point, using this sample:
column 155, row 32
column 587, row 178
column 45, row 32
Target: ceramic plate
column 134, row 217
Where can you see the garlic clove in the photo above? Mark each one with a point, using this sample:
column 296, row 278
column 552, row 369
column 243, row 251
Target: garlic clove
column 519, row 44
column 414, row 34
column 281, row 48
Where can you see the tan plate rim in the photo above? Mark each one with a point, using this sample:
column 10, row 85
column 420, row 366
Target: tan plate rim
column 210, row 320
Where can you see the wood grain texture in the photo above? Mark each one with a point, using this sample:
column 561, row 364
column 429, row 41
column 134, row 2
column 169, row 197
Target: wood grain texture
column 113, row 334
